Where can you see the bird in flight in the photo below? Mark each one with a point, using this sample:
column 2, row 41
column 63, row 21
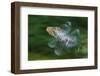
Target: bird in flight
column 63, row 38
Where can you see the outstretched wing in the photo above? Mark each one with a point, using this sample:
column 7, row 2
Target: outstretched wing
column 52, row 43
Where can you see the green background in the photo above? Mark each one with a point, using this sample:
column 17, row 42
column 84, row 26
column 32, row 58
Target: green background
column 38, row 37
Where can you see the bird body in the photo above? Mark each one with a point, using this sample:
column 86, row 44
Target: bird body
column 63, row 38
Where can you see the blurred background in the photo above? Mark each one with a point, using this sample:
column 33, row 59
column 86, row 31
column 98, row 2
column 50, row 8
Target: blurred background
column 38, row 37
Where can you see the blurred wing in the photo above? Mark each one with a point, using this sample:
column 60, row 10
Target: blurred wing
column 67, row 27
column 76, row 32
column 52, row 43
column 57, row 52
column 75, row 38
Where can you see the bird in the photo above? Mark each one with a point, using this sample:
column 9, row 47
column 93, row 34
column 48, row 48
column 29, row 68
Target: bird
column 63, row 38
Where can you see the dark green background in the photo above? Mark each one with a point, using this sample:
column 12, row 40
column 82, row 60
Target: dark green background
column 38, row 37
